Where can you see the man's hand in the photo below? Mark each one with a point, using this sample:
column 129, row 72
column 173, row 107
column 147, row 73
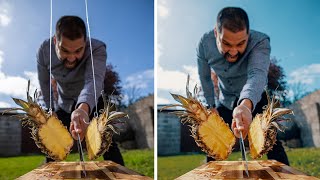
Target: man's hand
column 79, row 122
column 242, row 118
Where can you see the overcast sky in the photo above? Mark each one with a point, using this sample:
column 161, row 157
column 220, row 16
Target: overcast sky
column 126, row 26
column 293, row 26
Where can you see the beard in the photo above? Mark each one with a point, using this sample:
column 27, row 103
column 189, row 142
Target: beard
column 70, row 65
column 235, row 57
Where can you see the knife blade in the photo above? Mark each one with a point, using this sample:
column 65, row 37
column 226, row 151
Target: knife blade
column 243, row 153
column 81, row 156
column 243, row 149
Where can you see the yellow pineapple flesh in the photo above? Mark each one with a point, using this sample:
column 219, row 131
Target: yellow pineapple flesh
column 93, row 139
column 263, row 129
column 208, row 129
column 100, row 130
column 47, row 131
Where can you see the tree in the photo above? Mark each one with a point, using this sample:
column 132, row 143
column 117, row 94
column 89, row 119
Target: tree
column 112, row 86
column 276, row 81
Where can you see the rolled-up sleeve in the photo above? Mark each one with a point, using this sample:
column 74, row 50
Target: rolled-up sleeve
column 257, row 75
column 204, row 72
column 99, row 61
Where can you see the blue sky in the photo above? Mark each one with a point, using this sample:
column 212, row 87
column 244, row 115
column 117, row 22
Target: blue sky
column 293, row 26
column 126, row 26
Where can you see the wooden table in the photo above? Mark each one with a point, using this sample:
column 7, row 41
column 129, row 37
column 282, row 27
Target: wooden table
column 268, row 169
column 73, row 170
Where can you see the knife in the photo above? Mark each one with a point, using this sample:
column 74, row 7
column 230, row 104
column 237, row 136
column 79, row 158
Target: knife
column 243, row 151
column 81, row 156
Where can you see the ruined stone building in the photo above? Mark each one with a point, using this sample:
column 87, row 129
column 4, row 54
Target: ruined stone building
column 307, row 117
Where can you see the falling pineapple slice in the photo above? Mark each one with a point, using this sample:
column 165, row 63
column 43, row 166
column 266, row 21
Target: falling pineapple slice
column 263, row 129
column 208, row 129
column 48, row 132
column 100, row 130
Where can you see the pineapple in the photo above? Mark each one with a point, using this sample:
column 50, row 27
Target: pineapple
column 208, row 129
column 47, row 131
column 100, row 130
column 263, row 129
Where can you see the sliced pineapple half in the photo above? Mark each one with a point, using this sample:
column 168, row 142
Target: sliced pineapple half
column 49, row 134
column 208, row 129
column 263, row 129
column 100, row 130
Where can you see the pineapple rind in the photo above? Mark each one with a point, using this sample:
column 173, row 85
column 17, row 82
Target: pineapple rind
column 202, row 119
column 37, row 119
column 262, row 133
column 100, row 131
column 97, row 141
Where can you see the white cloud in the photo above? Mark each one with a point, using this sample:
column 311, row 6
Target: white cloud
column 175, row 81
column 4, row 104
column 158, row 52
column 16, row 86
column 1, row 59
column 305, row 75
column 33, row 77
column 13, row 85
column 5, row 17
column 161, row 100
column 163, row 9
column 139, row 80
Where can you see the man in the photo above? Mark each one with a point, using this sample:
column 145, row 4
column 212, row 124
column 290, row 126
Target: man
column 240, row 57
column 72, row 70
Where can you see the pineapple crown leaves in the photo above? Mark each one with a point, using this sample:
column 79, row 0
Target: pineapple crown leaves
column 24, row 106
column 113, row 128
column 274, row 109
column 194, row 111
column 110, row 113
column 273, row 112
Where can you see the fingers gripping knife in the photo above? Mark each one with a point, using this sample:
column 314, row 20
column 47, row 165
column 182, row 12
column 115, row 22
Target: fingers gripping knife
column 243, row 150
column 81, row 156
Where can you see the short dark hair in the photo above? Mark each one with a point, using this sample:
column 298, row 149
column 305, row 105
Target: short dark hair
column 71, row 27
column 234, row 19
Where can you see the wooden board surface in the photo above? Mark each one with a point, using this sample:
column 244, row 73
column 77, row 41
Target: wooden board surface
column 268, row 169
column 73, row 170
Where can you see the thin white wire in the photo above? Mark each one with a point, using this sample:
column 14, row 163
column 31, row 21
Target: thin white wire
column 94, row 79
column 50, row 109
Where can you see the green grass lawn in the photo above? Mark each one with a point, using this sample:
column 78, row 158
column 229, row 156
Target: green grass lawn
column 140, row 161
column 306, row 160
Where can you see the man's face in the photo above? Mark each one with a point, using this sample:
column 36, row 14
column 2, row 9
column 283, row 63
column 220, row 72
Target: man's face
column 231, row 45
column 70, row 52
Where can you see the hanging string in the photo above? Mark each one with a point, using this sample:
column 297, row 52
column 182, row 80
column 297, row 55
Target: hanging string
column 50, row 86
column 94, row 80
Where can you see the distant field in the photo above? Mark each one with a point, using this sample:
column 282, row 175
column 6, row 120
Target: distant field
column 140, row 161
column 306, row 160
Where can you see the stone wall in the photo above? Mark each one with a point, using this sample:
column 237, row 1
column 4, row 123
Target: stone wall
column 169, row 137
column 307, row 117
column 10, row 135
column 141, row 121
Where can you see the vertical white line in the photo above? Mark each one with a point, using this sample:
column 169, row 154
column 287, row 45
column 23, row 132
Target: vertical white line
column 94, row 79
column 50, row 109
column 155, row 89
